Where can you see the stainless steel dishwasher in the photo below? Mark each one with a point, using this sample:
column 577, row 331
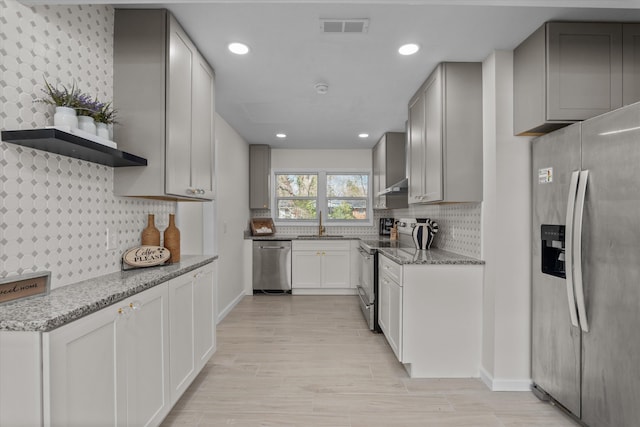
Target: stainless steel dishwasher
column 272, row 265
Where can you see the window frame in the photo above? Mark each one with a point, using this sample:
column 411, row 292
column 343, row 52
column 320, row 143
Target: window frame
column 322, row 198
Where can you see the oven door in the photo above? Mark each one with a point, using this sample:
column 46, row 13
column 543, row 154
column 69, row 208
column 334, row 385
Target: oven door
column 365, row 286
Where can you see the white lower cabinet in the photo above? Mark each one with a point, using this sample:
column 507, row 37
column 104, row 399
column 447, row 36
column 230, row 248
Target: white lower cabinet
column 110, row 366
column 431, row 316
column 321, row 266
column 124, row 365
column 191, row 330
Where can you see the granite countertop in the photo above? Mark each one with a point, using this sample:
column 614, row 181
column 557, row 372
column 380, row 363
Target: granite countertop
column 277, row 236
column 432, row 256
column 71, row 302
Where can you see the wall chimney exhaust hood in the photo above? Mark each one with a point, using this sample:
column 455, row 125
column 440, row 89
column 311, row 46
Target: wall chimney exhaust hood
column 397, row 188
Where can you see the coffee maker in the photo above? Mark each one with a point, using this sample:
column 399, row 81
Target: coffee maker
column 386, row 224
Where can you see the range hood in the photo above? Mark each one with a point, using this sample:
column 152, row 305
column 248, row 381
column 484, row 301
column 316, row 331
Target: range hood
column 397, row 188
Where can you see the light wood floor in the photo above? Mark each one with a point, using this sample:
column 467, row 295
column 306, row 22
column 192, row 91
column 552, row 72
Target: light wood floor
column 309, row 361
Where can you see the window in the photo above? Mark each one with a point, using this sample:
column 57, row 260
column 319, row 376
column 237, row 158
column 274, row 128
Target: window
column 347, row 197
column 297, row 196
column 341, row 197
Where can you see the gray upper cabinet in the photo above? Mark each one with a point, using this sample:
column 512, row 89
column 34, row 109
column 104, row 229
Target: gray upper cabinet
column 389, row 169
column 570, row 71
column 445, row 136
column 166, row 108
column 259, row 176
column 630, row 63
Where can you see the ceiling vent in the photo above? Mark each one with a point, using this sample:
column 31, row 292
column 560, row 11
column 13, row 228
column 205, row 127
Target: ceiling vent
column 344, row 25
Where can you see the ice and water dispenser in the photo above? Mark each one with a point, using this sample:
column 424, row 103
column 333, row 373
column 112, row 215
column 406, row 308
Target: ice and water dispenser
column 553, row 250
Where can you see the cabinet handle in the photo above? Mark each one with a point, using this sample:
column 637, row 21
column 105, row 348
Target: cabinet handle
column 135, row 305
column 191, row 191
column 323, row 254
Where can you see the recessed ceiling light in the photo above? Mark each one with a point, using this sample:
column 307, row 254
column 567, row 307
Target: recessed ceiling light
column 281, row 135
column 363, row 135
column 408, row 49
column 238, row 48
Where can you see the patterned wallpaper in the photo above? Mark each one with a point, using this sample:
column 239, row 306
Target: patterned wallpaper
column 55, row 210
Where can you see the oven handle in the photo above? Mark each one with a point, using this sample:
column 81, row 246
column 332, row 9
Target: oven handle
column 361, row 292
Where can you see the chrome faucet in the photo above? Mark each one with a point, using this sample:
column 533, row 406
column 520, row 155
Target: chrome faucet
column 321, row 228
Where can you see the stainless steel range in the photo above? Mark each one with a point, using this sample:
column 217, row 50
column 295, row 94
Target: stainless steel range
column 368, row 269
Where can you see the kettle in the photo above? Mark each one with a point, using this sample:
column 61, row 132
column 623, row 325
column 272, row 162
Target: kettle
column 423, row 234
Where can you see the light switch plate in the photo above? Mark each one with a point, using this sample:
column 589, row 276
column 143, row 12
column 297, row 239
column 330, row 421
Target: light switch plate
column 112, row 239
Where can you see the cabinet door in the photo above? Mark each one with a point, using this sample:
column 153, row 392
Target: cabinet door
column 584, row 75
column 383, row 304
column 630, row 63
column 203, row 136
column 433, row 185
column 336, row 269
column 259, row 176
column 394, row 335
column 84, row 371
column 379, row 179
column 204, row 316
column 181, row 334
column 306, row 269
column 147, row 362
column 415, row 152
column 179, row 102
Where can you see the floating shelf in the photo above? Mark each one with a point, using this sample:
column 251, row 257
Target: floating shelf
column 66, row 144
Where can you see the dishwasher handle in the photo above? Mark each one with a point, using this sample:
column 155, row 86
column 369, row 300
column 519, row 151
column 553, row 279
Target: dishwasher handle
column 273, row 247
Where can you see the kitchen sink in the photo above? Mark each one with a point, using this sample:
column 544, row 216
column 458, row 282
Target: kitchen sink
column 324, row 236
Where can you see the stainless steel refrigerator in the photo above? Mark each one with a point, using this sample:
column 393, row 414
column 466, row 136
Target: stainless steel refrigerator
column 586, row 268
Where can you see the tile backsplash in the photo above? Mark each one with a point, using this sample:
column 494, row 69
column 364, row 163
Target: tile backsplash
column 55, row 210
column 460, row 225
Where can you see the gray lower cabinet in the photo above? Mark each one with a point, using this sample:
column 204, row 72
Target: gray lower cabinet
column 389, row 168
column 166, row 108
column 570, row 71
column 445, row 136
column 259, row 176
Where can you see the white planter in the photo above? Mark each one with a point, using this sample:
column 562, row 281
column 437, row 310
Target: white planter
column 65, row 116
column 102, row 131
column 87, row 124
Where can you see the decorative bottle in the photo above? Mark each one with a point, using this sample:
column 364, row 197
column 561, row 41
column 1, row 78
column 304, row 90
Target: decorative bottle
column 151, row 235
column 172, row 239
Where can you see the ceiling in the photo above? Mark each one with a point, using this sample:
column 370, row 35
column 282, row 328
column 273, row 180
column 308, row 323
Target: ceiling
column 271, row 89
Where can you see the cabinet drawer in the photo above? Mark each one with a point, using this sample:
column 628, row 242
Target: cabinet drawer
column 325, row 245
column 391, row 269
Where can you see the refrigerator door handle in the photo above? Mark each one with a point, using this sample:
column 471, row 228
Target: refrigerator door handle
column 579, row 286
column 568, row 245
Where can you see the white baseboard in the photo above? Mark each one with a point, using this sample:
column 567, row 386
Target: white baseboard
column 320, row 291
column 504, row 384
column 229, row 307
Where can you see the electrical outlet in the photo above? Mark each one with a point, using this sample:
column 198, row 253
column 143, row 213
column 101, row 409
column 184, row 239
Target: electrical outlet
column 112, row 239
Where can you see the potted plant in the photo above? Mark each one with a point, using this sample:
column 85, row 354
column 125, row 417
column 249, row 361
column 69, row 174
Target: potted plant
column 87, row 107
column 104, row 117
column 65, row 100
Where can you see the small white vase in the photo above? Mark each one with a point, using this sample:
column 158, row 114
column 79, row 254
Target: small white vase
column 65, row 116
column 87, row 124
column 102, row 130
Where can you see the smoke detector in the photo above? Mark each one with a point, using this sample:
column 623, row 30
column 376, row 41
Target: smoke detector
column 321, row 88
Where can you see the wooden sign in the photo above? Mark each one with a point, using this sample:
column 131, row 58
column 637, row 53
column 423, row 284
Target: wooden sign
column 25, row 285
column 146, row 256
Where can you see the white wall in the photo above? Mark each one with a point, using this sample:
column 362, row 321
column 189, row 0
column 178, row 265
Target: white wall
column 232, row 213
column 506, row 237
column 328, row 159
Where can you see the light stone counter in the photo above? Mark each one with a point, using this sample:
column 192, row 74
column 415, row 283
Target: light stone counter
column 432, row 256
column 68, row 303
